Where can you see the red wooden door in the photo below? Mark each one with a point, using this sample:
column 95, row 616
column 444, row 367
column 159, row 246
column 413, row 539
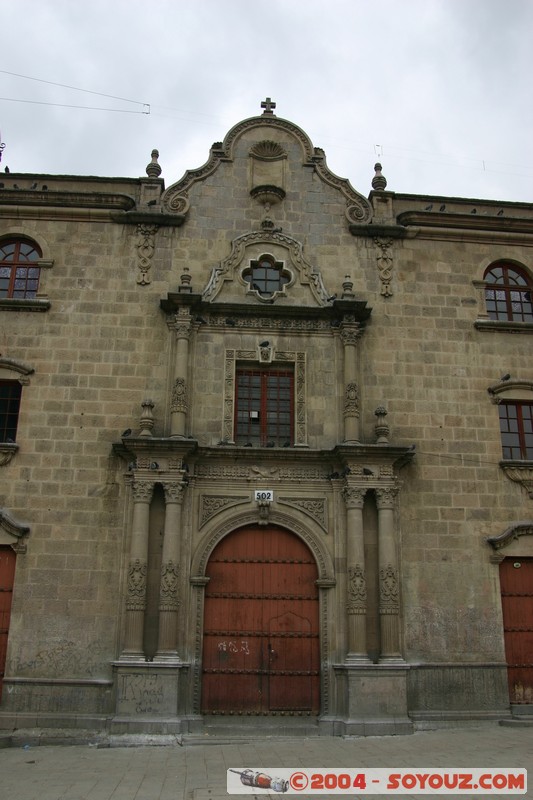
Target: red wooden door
column 516, row 583
column 7, row 577
column 261, row 643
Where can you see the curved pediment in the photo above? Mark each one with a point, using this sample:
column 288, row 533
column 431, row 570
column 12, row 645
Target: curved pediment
column 268, row 145
column 511, row 534
column 12, row 532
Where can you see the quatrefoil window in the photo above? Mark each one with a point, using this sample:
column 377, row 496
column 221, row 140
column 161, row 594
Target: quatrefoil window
column 266, row 276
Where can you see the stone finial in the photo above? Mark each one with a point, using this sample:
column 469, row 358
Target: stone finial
column 379, row 181
column 347, row 288
column 185, row 278
column 381, row 428
column 153, row 170
column 146, row 422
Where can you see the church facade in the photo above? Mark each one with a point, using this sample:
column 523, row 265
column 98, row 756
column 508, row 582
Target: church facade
column 266, row 448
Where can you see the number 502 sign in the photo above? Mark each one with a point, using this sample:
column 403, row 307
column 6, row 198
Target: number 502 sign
column 266, row 495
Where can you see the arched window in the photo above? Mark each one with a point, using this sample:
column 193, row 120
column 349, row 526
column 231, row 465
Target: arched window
column 508, row 293
column 19, row 268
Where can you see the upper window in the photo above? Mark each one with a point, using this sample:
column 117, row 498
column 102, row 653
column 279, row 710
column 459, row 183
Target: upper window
column 10, row 392
column 19, row 269
column 516, row 426
column 508, row 293
column 264, row 408
column 266, row 276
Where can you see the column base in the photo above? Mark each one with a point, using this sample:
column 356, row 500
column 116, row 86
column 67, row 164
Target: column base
column 131, row 657
column 392, row 661
column 167, row 657
column 149, row 689
column 374, row 699
column 358, row 659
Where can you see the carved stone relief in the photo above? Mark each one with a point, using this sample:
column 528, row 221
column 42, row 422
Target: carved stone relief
column 385, row 263
column 357, row 594
column 351, row 400
column 145, row 251
column 179, row 400
column 389, row 597
column 168, row 592
column 315, row 508
column 136, row 591
column 211, row 505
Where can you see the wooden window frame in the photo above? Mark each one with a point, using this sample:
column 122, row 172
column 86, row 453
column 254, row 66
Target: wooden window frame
column 522, row 438
column 514, row 287
column 274, row 413
column 17, row 267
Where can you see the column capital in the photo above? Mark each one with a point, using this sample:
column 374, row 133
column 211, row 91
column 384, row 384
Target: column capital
column 173, row 491
column 354, row 496
column 142, row 491
column 181, row 324
column 350, row 333
column 385, row 496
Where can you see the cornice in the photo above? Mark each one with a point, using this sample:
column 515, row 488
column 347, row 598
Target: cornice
column 288, row 316
column 376, row 230
column 148, row 218
column 428, row 224
column 66, row 199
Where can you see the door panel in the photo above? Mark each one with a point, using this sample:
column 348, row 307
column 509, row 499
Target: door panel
column 7, row 577
column 261, row 643
column 516, row 583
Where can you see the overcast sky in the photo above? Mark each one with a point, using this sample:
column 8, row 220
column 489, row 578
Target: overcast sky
column 439, row 91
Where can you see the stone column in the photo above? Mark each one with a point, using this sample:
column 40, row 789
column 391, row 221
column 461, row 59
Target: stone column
column 137, row 571
column 169, row 602
column 179, row 405
column 354, row 498
column 389, row 589
column 350, row 333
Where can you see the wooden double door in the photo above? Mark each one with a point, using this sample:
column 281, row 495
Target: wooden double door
column 261, row 651
column 516, row 583
column 7, row 577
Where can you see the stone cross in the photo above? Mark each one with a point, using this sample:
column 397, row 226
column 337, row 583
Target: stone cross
column 268, row 105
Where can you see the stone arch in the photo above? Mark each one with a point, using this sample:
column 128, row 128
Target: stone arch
column 34, row 237
column 218, row 531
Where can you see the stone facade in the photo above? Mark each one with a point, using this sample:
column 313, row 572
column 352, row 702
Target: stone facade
column 127, row 471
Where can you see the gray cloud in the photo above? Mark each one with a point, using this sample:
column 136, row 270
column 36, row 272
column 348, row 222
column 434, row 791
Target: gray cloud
column 438, row 89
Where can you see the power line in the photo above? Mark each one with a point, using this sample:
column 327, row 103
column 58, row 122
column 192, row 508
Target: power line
column 68, row 105
column 74, row 88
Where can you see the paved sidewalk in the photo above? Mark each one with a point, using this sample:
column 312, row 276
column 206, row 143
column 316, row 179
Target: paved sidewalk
column 198, row 772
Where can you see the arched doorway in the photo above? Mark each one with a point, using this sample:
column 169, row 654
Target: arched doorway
column 261, row 650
